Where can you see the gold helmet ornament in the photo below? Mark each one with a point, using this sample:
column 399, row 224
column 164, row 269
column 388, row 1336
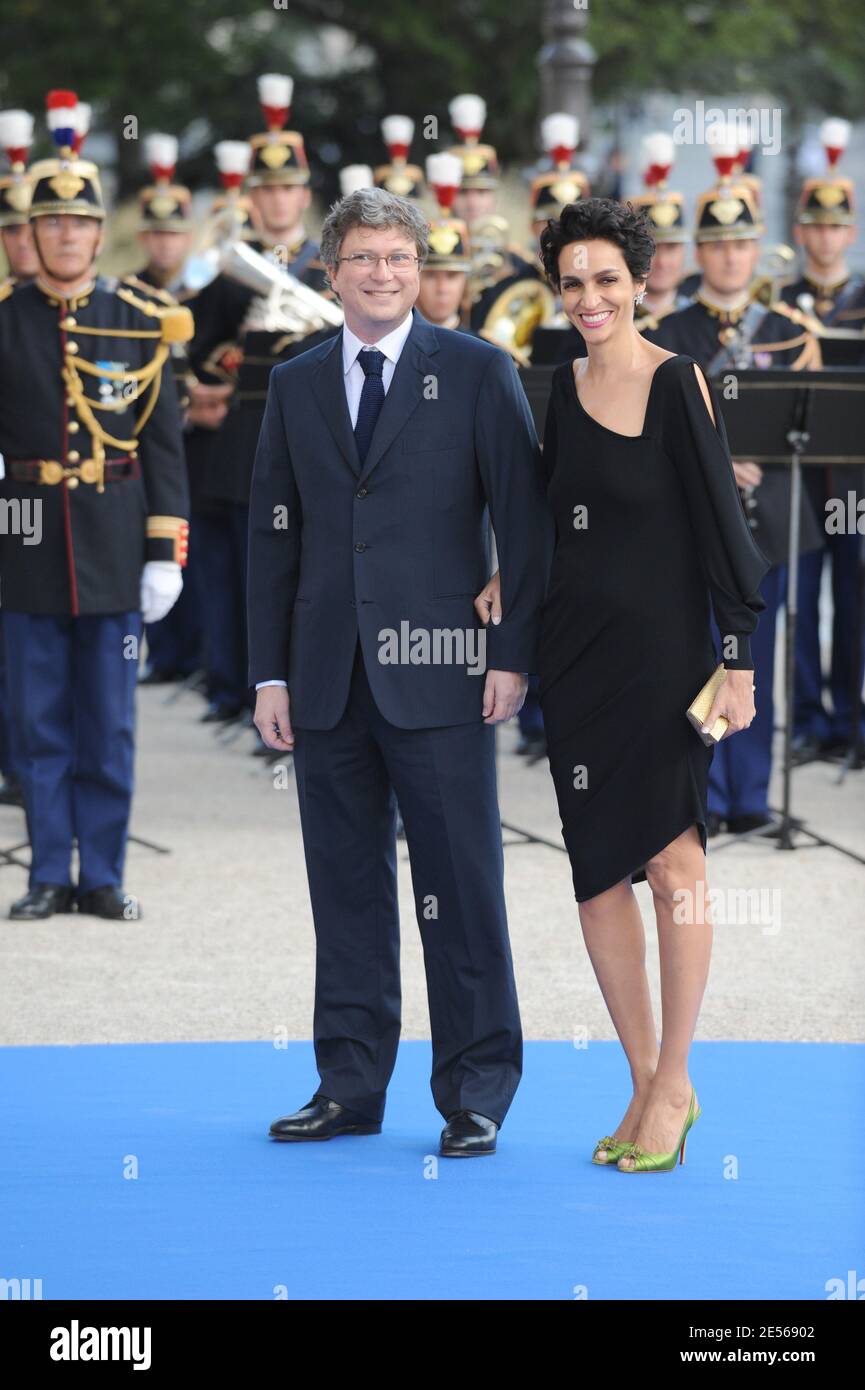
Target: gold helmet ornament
column 67, row 184
column 16, row 137
column 829, row 200
column 666, row 209
column 399, row 176
column 480, row 162
column 278, row 156
column 728, row 211
column 552, row 190
column 164, row 206
column 448, row 235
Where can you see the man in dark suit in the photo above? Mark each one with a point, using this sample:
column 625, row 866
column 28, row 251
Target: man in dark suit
column 383, row 455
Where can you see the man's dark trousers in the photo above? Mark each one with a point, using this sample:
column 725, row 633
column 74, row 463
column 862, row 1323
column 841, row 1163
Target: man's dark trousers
column 349, row 780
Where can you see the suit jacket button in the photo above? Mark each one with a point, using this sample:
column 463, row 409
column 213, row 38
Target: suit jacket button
column 360, row 546
column 361, row 492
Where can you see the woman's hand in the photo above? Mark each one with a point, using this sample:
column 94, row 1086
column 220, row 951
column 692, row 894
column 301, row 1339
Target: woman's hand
column 735, row 701
column 488, row 603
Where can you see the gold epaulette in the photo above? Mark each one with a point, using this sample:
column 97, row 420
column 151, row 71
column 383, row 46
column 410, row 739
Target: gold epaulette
column 149, row 291
column 644, row 322
column 176, row 324
column 7, row 286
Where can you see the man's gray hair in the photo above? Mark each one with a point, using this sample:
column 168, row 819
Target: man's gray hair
column 372, row 207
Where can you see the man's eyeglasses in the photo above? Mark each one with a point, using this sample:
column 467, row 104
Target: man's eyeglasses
column 365, row 260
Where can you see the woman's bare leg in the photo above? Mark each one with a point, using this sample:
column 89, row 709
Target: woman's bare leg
column 677, row 878
column 616, row 943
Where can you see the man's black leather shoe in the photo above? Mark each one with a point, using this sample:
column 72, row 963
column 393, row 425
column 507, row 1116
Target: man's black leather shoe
column 110, row 902
column 467, row 1133
column 768, row 826
column 222, row 714
column 153, row 676
column 804, row 748
column 321, row 1118
column 42, row 900
column 10, row 792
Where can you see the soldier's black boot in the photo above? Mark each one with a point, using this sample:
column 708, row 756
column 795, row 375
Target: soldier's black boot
column 42, row 900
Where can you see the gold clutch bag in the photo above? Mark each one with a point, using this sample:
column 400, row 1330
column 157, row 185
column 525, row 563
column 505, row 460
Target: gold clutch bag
column 699, row 707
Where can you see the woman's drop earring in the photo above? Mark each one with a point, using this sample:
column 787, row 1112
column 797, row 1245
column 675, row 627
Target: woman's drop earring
column 639, row 298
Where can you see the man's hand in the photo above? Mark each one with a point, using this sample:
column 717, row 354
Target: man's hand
column 748, row 474
column 208, row 404
column 488, row 603
column 161, row 583
column 504, row 695
column 272, row 718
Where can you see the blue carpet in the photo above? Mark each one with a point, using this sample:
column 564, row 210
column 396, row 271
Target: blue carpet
column 769, row 1203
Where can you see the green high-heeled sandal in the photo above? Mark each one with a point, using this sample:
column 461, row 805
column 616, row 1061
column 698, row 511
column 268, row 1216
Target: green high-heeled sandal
column 614, row 1148
column 644, row 1162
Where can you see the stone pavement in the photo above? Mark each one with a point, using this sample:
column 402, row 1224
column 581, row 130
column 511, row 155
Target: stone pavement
column 225, row 947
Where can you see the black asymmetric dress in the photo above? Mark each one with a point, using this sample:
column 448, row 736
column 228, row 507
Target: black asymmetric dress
column 650, row 530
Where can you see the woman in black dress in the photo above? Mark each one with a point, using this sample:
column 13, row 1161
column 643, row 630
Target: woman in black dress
column 649, row 529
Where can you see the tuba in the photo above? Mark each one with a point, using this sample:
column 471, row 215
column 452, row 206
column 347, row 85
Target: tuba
column 283, row 304
column 515, row 314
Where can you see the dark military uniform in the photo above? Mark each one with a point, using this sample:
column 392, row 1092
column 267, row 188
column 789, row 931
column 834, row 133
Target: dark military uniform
column 175, row 644
column 223, row 351
column 741, row 767
column 227, row 349
column 750, row 336
column 91, row 440
column 829, row 200
column 16, row 130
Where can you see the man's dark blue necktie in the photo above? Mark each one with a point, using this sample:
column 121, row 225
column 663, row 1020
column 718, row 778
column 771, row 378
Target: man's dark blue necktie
column 371, row 398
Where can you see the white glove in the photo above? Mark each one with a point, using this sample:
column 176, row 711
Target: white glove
column 161, row 582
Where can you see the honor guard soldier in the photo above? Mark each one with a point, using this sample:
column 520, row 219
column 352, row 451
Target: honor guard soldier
column 666, row 210
column 555, row 340
column 498, row 264
column 95, row 514
column 233, row 319
column 444, row 274
column 563, row 182
column 552, row 338
column 825, row 229
column 16, row 137
column 165, row 229
column 165, row 225
column 725, row 330
column 398, row 176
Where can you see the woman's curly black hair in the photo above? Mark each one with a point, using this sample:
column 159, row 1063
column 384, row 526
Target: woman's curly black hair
column 600, row 219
